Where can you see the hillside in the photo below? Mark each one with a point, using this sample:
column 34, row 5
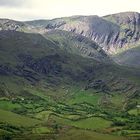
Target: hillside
column 77, row 44
column 38, row 77
column 129, row 57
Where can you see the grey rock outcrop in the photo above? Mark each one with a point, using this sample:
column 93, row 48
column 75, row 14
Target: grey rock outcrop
column 114, row 33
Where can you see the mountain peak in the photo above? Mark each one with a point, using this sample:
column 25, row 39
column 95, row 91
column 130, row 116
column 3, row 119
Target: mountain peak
column 123, row 13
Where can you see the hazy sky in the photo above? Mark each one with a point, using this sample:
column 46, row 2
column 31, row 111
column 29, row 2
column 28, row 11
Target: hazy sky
column 48, row 9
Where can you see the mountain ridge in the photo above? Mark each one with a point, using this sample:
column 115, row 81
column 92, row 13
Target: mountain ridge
column 114, row 34
column 61, row 23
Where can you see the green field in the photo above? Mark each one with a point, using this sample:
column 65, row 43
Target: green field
column 41, row 130
column 43, row 115
column 8, row 105
column 83, row 96
column 117, row 100
column 75, row 134
column 134, row 111
column 94, row 123
column 17, row 120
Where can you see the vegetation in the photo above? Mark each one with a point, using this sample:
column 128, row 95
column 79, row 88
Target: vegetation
column 49, row 92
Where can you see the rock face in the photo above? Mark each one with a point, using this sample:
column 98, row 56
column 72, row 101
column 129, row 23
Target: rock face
column 114, row 33
column 93, row 27
column 129, row 32
column 12, row 25
column 7, row 24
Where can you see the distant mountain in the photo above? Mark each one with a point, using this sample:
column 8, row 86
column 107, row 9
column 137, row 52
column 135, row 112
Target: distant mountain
column 114, row 33
column 93, row 27
column 77, row 43
column 7, row 24
column 91, row 36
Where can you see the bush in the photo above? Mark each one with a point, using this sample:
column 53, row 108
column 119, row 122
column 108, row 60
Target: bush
column 5, row 137
column 118, row 123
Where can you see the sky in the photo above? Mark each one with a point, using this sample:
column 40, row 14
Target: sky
column 48, row 9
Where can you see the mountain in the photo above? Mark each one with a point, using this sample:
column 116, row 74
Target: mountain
column 7, row 24
column 81, row 45
column 93, row 27
column 59, row 81
column 77, row 44
column 113, row 33
column 129, row 24
column 29, row 55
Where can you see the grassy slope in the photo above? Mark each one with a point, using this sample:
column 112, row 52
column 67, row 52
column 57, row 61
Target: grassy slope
column 17, row 120
column 94, row 123
column 129, row 57
column 82, row 96
column 77, row 44
column 89, row 135
column 8, row 105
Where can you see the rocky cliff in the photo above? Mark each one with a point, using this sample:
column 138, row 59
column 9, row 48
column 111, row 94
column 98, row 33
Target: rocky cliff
column 114, row 33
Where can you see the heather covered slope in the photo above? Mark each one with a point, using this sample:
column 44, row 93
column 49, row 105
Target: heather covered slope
column 33, row 55
column 78, row 44
column 129, row 57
